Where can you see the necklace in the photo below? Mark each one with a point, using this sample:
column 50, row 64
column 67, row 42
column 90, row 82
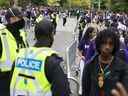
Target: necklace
column 101, row 74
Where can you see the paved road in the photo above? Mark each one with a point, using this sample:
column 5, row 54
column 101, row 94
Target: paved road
column 64, row 35
column 63, row 38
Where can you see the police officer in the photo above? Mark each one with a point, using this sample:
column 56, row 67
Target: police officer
column 10, row 40
column 15, row 25
column 8, row 47
column 37, row 70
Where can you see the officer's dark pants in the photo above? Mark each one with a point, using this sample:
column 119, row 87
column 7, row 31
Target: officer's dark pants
column 5, row 79
column 55, row 25
column 64, row 21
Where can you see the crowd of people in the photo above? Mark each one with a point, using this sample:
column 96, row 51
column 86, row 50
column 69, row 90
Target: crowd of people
column 102, row 46
column 37, row 71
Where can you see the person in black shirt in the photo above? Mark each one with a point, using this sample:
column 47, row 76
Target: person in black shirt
column 104, row 70
column 15, row 23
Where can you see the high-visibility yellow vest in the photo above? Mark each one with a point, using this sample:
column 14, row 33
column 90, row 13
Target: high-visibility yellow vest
column 9, row 48
column 23, row 34
column 57, row 18
column 39, row 18
column 29, row 78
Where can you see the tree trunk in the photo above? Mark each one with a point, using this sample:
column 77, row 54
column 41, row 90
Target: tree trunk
column 15, row 3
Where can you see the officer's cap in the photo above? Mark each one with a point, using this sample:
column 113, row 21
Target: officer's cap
column 12, row 12
column 44, row 27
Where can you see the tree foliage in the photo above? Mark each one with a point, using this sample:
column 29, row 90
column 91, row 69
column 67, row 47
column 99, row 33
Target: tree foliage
column 79, row 3
column 4, row 3
column 102, row 3
column 39, row 2
column 120, row 5
column 23, row 2
column 62, row 2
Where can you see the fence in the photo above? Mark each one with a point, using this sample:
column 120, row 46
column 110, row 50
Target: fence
column 71, row 60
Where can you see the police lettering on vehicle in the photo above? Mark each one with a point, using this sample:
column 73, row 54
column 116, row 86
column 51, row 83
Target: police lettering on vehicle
column 28, row 63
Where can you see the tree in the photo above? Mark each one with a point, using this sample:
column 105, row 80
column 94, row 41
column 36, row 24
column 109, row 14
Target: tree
column 120, row 5
column 108, row 4
column 55, row 2
column 39, row 2
column 99, row 4
column 62, row 2
column 23, row 2
column 80, row 3
column 4, row 3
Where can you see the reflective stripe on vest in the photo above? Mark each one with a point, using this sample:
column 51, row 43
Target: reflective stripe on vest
column 23, row 34
column 28, row 78
column 39, row 18
column 9, row 49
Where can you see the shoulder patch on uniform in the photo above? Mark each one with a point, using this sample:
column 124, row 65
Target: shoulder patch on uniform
column 30, row 64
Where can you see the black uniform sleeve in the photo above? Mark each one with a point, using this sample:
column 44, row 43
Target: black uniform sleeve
column 56, row 76
column 1, row 47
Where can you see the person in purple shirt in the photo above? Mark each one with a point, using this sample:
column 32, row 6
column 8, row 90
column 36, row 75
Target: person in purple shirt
column 86, row 41
column 83, row 47
column 123, row 53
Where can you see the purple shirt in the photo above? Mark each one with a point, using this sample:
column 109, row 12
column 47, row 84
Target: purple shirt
column 87, row 48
